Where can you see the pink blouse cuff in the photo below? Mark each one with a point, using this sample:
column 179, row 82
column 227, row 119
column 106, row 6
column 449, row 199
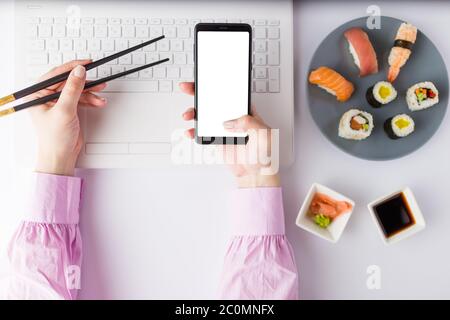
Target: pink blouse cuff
column 257, row 211
column 54, row 199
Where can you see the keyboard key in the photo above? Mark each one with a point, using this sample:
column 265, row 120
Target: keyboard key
column 274, row 53
column 121, row 44
column 128, row 21
column 194, row 21
column 260, row 86
column 101, row 21
column 189, row 45
column 45, row 31
column 94, row 45
column 190, row 58
column 35, row 59
column 73, row 32
column 176, row 45
column 247, row 21
column 66, row 45
column 141, row 21
column 273, row 33
column 260, row 59
column 96, row 56
column 83, row 56
column 274, row 86
column 128, row 31
column 146, row 73
column 134, row 75
column 79, row 45
column 187, row 73
column 155, row 21
column 138, row 58
column 133, row 43
column 156, row 31
column 104, row 71
column 108, row 45
column 55, row 58
column 173, row 72
column 274, row 73
column 151, row 57
column 60, row 20
column 69, row 56
column 115, row 69
column 125, row 60
column 87, row 20
column 170, row 32
column 115, row 31
column 142, row 32
column 274, row 22
column 165, row 86
column 114, row 21
column 260, row 33
column 52, row 45
column 179, row 58
column 112, row 62
column 260, row 73
column 184, row 32
column 260, row 46
column 149, row 48
column 46, row 20
column 166, row 55
column 167, row 21
column 260, row 22
column 181, row 21
column 37, row 45
column 101, row 31
column 59, row 30
column 163, row 45
column 87, row 31
column 159, row 72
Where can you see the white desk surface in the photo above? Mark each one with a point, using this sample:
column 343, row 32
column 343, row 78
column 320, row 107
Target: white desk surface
column 162, row 233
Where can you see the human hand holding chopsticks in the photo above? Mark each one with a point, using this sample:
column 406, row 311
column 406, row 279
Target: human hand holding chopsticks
column 57, row 123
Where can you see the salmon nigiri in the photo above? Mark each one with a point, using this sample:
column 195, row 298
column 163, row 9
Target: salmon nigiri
column 400, row 52
column 332, row 82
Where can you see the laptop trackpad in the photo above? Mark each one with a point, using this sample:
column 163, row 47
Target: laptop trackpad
column 129, row 117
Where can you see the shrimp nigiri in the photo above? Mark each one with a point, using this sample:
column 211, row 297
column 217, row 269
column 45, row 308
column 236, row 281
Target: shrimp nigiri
column 332, row 82
column 400, row 52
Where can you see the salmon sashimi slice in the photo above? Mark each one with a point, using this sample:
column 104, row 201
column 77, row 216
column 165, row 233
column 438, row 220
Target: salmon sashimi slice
column 327, row 206
column 332, row 82
column 362, row 51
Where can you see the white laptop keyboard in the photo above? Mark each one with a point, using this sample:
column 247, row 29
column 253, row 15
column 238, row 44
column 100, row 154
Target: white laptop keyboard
column 53, row 41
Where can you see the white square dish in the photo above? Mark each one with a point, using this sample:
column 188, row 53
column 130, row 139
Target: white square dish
column 415, row 211
column 334, row 231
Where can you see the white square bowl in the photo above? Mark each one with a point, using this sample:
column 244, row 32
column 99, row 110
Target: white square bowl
column 334, row 231
column 415, row 211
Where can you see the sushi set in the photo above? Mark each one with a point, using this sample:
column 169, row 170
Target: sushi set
column 378, row 94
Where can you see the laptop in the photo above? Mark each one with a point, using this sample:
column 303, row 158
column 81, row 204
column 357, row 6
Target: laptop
column 140, row 126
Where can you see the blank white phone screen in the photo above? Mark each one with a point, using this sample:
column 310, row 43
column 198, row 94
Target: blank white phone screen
column 222, row 80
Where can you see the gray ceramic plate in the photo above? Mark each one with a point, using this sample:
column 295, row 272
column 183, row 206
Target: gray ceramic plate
column 425, row 64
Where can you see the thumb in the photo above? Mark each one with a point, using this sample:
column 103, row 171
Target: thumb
column 68, row 101
column 243, row 123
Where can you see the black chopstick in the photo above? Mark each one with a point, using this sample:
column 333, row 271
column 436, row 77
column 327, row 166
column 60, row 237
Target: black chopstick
column 88, row 85
column 62, row 77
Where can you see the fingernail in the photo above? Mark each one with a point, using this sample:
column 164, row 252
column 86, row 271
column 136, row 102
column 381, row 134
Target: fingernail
column 229, row 124
column 79, row 72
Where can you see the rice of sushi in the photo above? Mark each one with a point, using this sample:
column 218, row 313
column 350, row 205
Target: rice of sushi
column 381, row 93
column 418, row 99
column 364, row 118
column 399, row 126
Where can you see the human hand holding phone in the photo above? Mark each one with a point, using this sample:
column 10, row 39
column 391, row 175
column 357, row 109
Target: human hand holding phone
column 57, row 124
column 248, row 174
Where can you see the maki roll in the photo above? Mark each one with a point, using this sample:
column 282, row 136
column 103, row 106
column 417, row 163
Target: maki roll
column 399, row 126
column 356, row 125
column 421, row 96
column 381, row 94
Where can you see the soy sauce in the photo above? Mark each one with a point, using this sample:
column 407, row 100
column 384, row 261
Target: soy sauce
column 394, row 215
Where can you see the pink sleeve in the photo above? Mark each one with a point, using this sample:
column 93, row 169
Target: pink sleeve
column 45, row 252
column 259, row 262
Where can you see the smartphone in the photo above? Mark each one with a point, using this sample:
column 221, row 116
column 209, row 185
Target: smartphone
column 222, row 53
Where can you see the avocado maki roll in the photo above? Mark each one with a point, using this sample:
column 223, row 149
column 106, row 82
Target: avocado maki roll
column 399, row 126
column 381, row 94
